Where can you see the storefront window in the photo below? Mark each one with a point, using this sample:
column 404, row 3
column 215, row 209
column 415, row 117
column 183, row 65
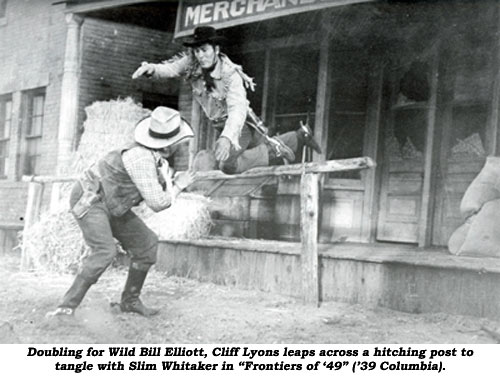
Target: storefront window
column 348, row 99
column 253, row 65
column 295, row 73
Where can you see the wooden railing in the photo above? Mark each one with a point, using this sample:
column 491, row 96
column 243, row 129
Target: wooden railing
column 309, row 206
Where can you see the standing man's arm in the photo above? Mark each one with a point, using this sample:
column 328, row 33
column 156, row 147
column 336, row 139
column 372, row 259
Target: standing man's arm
column 141, row 167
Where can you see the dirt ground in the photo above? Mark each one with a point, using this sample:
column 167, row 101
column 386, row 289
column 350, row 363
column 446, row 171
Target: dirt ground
column 194, row 312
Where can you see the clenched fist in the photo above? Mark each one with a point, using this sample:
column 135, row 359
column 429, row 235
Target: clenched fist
column 222, row 149
column 184, row 179
column 145, row 69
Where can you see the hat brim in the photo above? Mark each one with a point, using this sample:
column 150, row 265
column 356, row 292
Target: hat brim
column 142, row 135
column 191, row 42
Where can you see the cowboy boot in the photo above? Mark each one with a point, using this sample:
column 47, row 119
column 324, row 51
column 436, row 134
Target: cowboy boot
column 305, row 137
column 73, row 297
column 278, row 151
column 130, row 297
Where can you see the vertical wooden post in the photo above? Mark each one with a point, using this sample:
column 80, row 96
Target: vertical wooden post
column 55, row 195
column 35, row 193
column 265, row 85
column 195, row 143
column 494, row 142
column 324, row 91
column 372, row 148
column 309, row 206
column 429, row 180
column 68, row 113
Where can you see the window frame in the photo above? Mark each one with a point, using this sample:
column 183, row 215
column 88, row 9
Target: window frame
column 5, row 137
column 32, row 137
column 3, row 12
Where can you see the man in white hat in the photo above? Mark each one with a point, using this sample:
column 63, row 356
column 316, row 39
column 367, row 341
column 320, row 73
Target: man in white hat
column 101, row 203
column 219, row 87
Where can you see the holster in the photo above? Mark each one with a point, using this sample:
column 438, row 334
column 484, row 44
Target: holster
column 91, row 187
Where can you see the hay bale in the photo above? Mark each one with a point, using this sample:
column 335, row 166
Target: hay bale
column 187, row 218
column 109, row 125
column 55, row 243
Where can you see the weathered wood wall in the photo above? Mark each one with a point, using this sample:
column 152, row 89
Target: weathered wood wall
column 402, row 278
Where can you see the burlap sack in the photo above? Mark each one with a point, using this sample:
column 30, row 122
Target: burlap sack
column 483, row 237
column 485, row 187
column 457, row 239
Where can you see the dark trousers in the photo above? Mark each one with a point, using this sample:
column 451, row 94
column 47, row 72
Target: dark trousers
column 253, row 152
column 99, row 227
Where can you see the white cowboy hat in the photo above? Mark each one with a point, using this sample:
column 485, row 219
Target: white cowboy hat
column 163, row 128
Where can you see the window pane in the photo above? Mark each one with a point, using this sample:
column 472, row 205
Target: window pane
column 4, row 148
column 253, row 65
column 4, row 158
column 6, row 131
column 38, row 105
column 5, row 117
column 3, row 7
column 36, row 128
column 296, row 74
column 32, row 156
column 8, row 110
column 468, row 131
column 346, row 126
column 34, row 114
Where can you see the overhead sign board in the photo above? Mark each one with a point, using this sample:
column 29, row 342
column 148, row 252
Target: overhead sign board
column 226, row 13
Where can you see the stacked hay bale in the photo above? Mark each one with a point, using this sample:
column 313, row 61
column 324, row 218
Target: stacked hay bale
column 55, row 242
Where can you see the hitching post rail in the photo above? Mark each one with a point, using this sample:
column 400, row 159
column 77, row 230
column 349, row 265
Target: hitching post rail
column 309, row 207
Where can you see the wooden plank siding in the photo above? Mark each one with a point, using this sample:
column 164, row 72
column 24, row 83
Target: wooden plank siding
column 403, row 278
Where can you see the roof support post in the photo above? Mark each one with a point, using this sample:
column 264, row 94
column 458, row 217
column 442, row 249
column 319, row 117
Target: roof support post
column 68, row 113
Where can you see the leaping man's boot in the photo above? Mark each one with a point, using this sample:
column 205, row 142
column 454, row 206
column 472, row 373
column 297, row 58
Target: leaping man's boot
column 72, row 298
column 130, row 297
column 304, row 134
column 279, row 152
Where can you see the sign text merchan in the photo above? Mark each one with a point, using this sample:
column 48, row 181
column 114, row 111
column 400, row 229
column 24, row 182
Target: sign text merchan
column 233, row 12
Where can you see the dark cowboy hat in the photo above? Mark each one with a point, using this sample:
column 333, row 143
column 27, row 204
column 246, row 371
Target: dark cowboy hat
column 203, row 34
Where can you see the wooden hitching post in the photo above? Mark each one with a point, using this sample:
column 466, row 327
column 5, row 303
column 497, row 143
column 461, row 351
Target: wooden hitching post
column 35, row 193
column 309, row 202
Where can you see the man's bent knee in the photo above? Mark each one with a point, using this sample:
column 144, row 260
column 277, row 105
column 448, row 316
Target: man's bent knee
column 146, row 258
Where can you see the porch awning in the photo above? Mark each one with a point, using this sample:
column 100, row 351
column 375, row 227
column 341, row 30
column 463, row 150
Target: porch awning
column 226, row 13
column 81, row 6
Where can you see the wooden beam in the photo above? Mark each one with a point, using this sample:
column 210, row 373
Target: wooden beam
column 323, row 93
column 372, row 148
column 194, row 143
column 493, row 144
column 309, row 209
column 99, row 5
column 426, row 213
column 50, row 179
column 293, row 169
column 33, row 207
column 281, row 170
column 70, row 86
column 265, row 85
